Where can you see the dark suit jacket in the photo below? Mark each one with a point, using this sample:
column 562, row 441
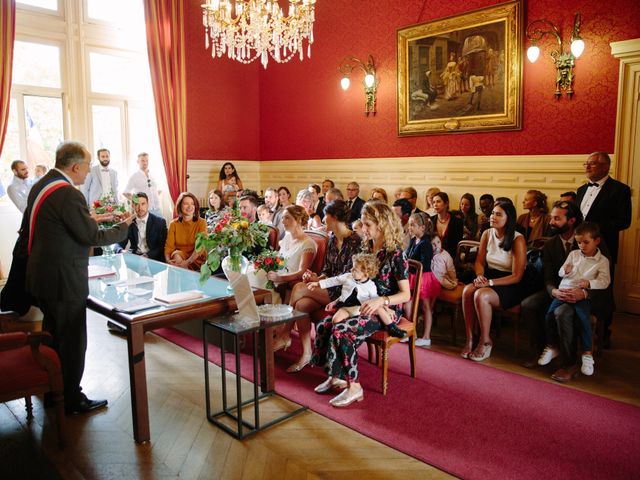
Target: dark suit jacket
column 356, row 209
column 455, row 231
column 156, row 232
column 320, row 208
column 64, row 232
column 611, row 210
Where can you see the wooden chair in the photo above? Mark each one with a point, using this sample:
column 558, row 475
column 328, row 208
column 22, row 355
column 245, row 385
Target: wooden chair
column 452, row 299
column 381, row 341
column 29, row 368
column 274, row 238
column 321, row 239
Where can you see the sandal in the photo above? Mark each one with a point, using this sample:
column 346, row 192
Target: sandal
column 485, row 352
column 467, row 350
column 280, row 344
column 299, row 365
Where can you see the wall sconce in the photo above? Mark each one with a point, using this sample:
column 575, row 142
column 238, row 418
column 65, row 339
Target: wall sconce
column 564, row 61
column 370, row 81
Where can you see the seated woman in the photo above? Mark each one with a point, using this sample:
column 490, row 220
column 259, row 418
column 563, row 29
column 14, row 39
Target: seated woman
column 469, row 217
column 180, row 247
column 216, row 205
column 305, row 200
column 342, row 245
column 229, row 182
column 296, row 247
column 535, row 224
column 446, row 226
column 378, row 193
column 336, row 344
column 499, row 268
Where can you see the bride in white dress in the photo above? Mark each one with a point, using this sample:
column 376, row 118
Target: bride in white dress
column 296, row 247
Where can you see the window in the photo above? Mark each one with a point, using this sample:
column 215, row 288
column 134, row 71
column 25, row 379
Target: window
column 96, row 50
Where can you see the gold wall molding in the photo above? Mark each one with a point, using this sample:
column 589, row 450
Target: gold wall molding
column 509, row 176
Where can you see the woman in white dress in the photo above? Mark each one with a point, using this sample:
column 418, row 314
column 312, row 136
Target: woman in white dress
column 296, row 247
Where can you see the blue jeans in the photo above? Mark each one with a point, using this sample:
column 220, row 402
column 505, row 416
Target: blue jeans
column 583, row 312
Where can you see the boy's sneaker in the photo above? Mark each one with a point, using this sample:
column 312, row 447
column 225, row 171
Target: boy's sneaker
column 587, row 365
column 394, row 331
column 548, row 354
column 423, row 342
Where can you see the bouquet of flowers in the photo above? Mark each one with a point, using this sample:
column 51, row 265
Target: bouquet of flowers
column 107, row 205
column 269, row 261
column 232, row 235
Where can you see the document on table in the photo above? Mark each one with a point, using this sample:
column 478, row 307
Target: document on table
column 180, row 297
column 126, row 282
column 97, row 271
column 244, row 297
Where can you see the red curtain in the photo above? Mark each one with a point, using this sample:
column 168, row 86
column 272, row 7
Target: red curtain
column 165, row 44
column 8, row 29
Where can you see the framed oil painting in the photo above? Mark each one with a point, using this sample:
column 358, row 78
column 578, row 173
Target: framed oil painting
column 462, row 73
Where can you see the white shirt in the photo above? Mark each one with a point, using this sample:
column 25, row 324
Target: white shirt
column 139, row 182
column 141, row 223
column 595, row 269
column 590, row 196
column 365, row 290
column 18, row 192
column 497, row 258
column 105, row 181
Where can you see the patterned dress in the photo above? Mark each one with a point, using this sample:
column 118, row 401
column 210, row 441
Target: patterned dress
column 336, row 345
column 337, row 262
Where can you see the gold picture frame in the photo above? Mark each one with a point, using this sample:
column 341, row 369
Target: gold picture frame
column 462, row 73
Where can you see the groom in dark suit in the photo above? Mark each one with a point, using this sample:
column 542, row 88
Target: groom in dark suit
column 147, row 234
column 605, row 201
column 56, row 233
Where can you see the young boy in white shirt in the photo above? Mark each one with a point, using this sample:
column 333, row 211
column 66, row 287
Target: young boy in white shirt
column 586, row 268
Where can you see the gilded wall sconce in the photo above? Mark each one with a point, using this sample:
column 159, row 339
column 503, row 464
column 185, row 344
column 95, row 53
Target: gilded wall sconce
column 370, row 81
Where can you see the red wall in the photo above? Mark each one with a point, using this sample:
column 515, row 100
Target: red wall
column 298, row 110
column 222, row 99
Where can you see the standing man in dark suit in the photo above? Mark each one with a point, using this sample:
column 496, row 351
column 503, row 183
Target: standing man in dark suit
column 354, row 202
column 56, row 233
column 147, row 234
column 605, row 201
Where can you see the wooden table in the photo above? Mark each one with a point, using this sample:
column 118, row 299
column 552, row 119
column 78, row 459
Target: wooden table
column 105, row 297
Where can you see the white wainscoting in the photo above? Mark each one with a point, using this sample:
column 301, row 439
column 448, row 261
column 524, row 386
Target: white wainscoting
column 509, row 176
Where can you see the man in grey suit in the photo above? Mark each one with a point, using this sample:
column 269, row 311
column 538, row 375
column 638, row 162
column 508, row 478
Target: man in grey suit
column 56, row 233
column 101, row 180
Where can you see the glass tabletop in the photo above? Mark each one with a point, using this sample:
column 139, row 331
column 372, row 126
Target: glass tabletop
column 132, row 284
column 237, row 323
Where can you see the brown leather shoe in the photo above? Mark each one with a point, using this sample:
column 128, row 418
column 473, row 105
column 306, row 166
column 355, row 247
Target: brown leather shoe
column 531, row 363
column 566, row 374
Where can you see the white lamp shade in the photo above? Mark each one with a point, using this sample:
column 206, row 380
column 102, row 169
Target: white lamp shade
column 345, row 82
column 533, row 52
column 577, row 47
column 369, row 80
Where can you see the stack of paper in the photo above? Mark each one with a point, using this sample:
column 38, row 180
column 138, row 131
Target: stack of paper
column 180, row 296
column 97, row 271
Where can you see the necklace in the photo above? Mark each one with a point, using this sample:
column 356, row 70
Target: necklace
column 443, row 221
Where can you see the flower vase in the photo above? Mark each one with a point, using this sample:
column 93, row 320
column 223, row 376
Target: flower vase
column 108, row 251
column 233, row 265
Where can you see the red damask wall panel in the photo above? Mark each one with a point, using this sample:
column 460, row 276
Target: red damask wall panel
column 298, row 110
column 222, row 99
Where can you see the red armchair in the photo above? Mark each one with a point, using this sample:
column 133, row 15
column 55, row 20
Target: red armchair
column 29, row 368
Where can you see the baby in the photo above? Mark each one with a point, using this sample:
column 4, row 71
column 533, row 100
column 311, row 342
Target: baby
column 358, row 287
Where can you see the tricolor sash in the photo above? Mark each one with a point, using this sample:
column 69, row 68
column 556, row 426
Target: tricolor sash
column 39, row 200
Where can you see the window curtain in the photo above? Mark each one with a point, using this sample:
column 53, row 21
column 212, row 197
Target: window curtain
column 8, row 29
column 165, row 45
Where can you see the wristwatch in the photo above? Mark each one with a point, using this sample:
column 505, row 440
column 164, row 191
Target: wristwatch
column 491, row 283
column 386, row 301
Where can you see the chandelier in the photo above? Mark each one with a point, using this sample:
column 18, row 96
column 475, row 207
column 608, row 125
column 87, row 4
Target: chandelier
column 258, row 30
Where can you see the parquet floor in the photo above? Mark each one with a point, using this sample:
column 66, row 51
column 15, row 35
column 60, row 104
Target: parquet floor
column 185, row 445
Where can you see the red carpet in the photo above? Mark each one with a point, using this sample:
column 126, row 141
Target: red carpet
column 472, row 420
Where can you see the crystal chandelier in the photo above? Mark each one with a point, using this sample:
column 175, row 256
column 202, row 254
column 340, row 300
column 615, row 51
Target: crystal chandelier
column 258, row 30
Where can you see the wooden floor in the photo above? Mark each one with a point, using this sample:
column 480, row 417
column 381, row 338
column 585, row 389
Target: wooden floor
column 184, row 444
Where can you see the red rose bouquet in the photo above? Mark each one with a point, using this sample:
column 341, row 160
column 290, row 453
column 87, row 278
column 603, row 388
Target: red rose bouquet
column 269, row 261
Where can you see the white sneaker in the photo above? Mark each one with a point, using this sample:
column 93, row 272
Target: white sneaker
column 587, row 365
column 548, row 354
column 423, row 342
column 405, row 339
